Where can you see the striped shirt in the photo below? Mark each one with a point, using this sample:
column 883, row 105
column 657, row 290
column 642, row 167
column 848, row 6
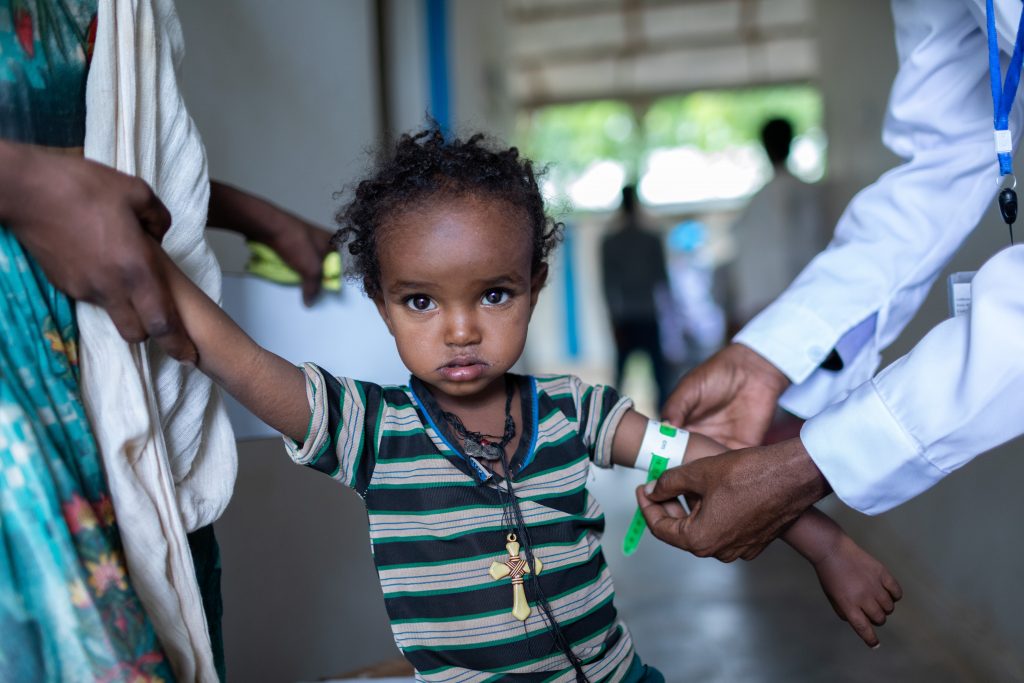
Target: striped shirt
column 436, row 525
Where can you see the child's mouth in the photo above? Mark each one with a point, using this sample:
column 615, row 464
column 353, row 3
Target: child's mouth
column 463, row 369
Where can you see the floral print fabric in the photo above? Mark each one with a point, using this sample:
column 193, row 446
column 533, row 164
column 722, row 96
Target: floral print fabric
column 67, row 609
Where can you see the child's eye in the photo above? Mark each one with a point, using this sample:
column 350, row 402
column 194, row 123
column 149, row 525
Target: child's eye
column 494, row 297
column 419, row 302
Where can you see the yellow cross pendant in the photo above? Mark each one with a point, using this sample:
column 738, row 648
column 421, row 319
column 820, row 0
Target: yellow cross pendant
column 515, row 568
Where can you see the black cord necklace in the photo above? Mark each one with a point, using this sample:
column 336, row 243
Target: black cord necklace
column 482, row 446
column 485, row 446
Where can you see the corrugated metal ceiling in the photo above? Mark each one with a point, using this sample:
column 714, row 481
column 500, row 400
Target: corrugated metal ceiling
column 637, row 50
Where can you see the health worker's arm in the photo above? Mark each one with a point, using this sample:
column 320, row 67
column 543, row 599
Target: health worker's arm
column 859, row 587
column 268, row 385
column 955, row 395
column 896, row 236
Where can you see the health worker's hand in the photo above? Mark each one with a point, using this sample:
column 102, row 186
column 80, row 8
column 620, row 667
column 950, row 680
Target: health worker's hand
column 740, row 500
column 730, row 397
column 95, row 232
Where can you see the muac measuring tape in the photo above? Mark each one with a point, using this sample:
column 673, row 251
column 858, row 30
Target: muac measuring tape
column 663, row 447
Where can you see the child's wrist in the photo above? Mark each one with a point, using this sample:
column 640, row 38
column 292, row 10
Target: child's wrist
column 814, row 535
column 662, row 444
column 700, row 446
column 827, row 546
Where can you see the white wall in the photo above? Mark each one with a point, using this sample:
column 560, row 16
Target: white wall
column 477, row 52
column 284, row 94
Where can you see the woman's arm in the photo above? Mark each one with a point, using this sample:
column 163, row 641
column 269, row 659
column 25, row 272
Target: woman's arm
column 299, row 243
column 268, row 385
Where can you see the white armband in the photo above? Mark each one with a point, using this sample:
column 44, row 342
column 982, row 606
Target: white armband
column 662, row 440
column 663, row 447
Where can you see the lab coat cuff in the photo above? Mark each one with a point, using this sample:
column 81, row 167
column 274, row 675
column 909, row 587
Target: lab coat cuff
column 791, row 338
column 872, row 463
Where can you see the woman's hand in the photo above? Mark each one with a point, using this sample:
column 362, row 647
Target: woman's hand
column 95, row 232
column 300, row 244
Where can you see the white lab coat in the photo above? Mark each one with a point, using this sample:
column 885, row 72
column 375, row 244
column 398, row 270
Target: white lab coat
column 960, row 392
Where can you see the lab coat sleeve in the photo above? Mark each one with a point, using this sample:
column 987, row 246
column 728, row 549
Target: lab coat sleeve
column 955, row 395
column 896, row 236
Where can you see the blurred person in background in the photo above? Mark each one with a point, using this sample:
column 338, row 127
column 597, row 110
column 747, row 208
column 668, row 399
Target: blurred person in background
column 778, row 234
column 632, row 271
column 691, row 322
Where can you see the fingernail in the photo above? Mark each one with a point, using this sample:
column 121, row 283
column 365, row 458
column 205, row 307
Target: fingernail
column 649, row 487
column 876, row 646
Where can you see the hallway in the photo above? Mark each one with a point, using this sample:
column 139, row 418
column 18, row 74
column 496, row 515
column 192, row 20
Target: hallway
column 761, row 622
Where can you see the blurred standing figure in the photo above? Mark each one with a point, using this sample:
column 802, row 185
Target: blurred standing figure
column 777, row 235
column 632, row 269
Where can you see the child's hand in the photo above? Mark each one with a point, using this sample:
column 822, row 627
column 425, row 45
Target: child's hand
column 860, row 588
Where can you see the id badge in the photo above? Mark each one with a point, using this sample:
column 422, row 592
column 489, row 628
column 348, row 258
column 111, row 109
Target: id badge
column 959, row 289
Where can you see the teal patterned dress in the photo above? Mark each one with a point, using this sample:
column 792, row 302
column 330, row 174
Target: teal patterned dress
column 67, row 609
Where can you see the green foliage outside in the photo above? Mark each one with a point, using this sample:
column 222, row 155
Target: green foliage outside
column 715, row 120
column 572, row 136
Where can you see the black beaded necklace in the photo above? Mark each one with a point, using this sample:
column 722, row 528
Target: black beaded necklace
column 485, row 446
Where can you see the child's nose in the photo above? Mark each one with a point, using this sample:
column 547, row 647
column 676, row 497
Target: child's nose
column 462, row 329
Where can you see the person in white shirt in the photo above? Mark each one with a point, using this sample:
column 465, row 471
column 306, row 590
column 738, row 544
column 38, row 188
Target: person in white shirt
column 778, row 233
column 876, row 440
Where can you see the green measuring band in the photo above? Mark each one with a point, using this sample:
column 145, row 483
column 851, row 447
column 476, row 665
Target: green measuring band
column 659, row 464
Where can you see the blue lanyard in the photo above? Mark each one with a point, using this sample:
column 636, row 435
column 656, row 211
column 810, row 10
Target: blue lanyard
column 1002, row 97
column 1002, row 102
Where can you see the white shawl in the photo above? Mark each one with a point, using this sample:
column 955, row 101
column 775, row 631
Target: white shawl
column 166, row 443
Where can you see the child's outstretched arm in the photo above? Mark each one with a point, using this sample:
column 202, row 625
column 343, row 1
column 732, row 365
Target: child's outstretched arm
column 860, row 588
column 268, row 385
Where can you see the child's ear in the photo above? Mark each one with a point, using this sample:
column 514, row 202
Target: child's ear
column 537, row 283
column 382, row 309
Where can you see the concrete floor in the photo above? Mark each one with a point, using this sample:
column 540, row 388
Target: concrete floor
column 763, row 621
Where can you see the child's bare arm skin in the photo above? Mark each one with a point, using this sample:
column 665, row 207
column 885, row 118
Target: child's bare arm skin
column 860, row 588
column 268, row 385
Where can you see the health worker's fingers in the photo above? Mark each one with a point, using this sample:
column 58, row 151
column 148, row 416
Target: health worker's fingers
column 681, row 402
column 664, row 525
column 752, row 553
column 676, row 482
column 674, row 509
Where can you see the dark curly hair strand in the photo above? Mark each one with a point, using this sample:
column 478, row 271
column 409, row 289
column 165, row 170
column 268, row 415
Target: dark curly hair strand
column 424, row 167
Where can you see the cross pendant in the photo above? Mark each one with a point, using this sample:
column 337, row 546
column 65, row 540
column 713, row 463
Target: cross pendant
column 514, row 568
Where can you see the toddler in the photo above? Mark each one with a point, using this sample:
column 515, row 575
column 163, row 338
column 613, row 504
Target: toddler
column 484, row 536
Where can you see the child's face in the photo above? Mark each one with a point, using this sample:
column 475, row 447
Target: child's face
column 457, row 292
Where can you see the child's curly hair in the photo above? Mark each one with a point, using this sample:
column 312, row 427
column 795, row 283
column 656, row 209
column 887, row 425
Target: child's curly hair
column 424, row 167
